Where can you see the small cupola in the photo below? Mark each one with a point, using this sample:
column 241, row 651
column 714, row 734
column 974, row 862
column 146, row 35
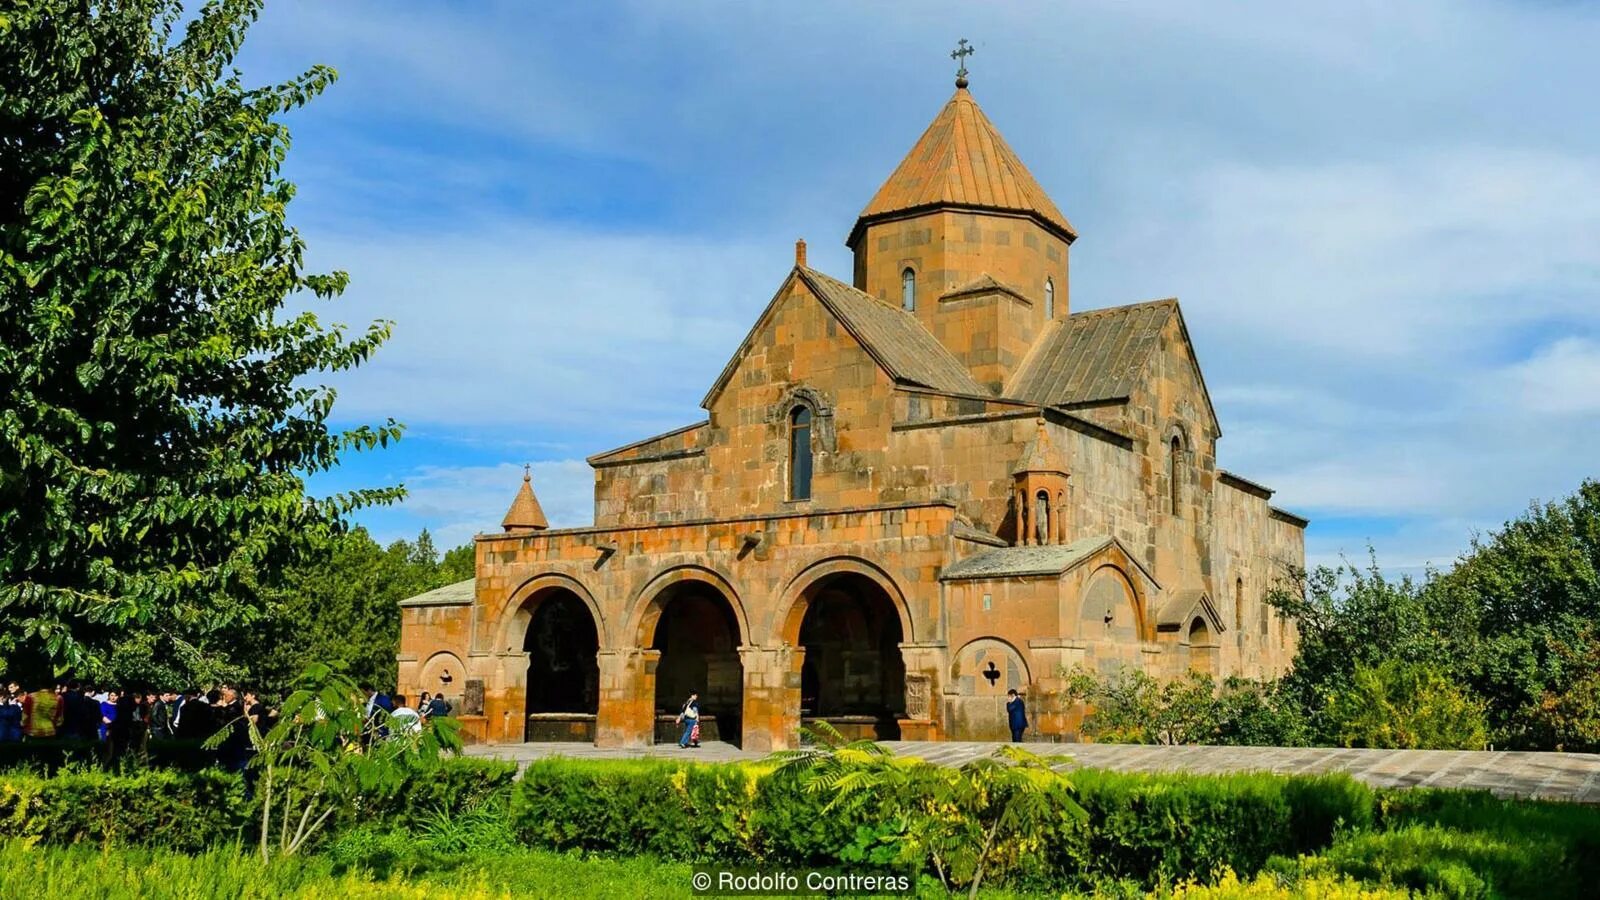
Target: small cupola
column 525, row 513
column 1040, row 491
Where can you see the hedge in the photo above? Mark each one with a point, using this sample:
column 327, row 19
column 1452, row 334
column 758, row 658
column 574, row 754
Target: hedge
column 192, row 811
column 1151, row 828
column 51, row 754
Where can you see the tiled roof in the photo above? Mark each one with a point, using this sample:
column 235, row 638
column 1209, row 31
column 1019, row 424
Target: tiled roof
column 525, row 511
column 893, row 336
column 1094, row 355
column 1011, row 562
column 458, row 594
column 961, row 160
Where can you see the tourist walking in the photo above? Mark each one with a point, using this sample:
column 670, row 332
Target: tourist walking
column 1017, row 713
column 689, row 718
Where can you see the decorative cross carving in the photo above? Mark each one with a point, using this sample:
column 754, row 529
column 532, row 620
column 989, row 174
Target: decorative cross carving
column 960, row 55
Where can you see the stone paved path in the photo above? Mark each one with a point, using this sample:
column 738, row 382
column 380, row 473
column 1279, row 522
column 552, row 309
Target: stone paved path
column 1556, row 776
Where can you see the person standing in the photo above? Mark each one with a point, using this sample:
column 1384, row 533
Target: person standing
column 108, row 714
column 44, row 713
column 10, row 718
column 1017, row 714
column 162, row 716
column 438, row 707
column 689, row 717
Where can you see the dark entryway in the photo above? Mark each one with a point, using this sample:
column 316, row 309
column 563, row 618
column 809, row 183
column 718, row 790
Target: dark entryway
column 563, row 691
column 698, row 636
column 853, row 676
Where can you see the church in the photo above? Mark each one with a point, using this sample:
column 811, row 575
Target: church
column 910, row 492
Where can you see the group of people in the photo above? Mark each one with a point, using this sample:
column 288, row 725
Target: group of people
column 126, row 720
column 397, row 716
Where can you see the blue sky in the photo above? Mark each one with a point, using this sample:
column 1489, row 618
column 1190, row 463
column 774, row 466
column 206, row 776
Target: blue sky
column 1382, row 220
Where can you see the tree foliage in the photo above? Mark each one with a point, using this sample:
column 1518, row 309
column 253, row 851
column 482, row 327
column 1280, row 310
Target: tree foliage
column 159, row 408
column 1406, row 706
column 1512, row 622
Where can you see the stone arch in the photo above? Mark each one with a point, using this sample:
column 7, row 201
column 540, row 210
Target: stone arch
column 1106, row 591
column 969, row 664
column 982, row 675
column 790, row 612
column 551, row 655
column 692, row 626
column 649, row 602
column 432, row 672
column 848, row 621
column 517, row 613
column 823, row 436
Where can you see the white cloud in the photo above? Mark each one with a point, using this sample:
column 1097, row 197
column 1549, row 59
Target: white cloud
column 460, row 502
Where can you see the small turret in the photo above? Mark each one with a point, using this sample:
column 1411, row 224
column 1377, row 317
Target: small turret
column 525, row 513
column 1041, row 491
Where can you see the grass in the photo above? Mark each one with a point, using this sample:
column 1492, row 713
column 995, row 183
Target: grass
column 82, row 873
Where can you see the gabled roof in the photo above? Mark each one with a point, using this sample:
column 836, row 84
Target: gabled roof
column 1048, row 560
column 1098, row 355
column 1186, row 605
column 984, row 284
column 459, row 594
column 892, row 336
column 962, row 161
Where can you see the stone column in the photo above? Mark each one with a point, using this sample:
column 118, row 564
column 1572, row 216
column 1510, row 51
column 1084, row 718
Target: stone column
column 627, row 714
column 505, row 698
column 771, row 696
column 925, row 667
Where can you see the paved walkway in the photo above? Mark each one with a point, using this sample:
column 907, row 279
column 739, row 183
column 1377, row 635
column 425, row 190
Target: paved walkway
column 1555, row 776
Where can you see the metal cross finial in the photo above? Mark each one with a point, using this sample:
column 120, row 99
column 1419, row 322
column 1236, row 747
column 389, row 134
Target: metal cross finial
column 527, row 472
column 960, row 55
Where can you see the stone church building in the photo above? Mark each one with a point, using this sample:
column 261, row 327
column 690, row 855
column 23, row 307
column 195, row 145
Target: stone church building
column 910, row 492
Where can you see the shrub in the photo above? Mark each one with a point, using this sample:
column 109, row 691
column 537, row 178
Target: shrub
column 177, row 810
column 51, row 754
column 196, row 810
column 1150, row 828
column 1403, row 705
column 1163, row 827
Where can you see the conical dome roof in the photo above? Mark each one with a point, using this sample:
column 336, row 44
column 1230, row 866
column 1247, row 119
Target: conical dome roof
column 525, row 513
column 962, row 161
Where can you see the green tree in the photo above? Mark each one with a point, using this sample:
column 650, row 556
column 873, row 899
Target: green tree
column 159, row 408
column 323, row 755
column 1406, row 706
column 340, row 605
column 1531, row 592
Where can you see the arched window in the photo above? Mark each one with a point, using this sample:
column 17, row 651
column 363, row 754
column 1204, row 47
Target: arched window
column 1049, row 299
column 1041, row 518
column 1174, row 475
column 800, row 453
column 908, row 290
column 1238, row 605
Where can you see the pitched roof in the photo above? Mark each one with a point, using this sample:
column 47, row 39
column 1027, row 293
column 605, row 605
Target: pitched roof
column 905, row 349
column 962, row 161
column 984, row 284
column 1094, row 355
column 1040, row 455
column 459, row 594
column 892, row 336
column 1033, row 561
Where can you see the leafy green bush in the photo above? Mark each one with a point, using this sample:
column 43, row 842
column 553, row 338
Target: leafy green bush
column 1165, row 827
column 1150, row 828
column 177, row 810
column 1402, row 705
column 196, row 810
column 55, row 753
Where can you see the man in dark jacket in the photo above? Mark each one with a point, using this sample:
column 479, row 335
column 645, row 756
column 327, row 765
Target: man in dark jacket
column 1017, row 713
